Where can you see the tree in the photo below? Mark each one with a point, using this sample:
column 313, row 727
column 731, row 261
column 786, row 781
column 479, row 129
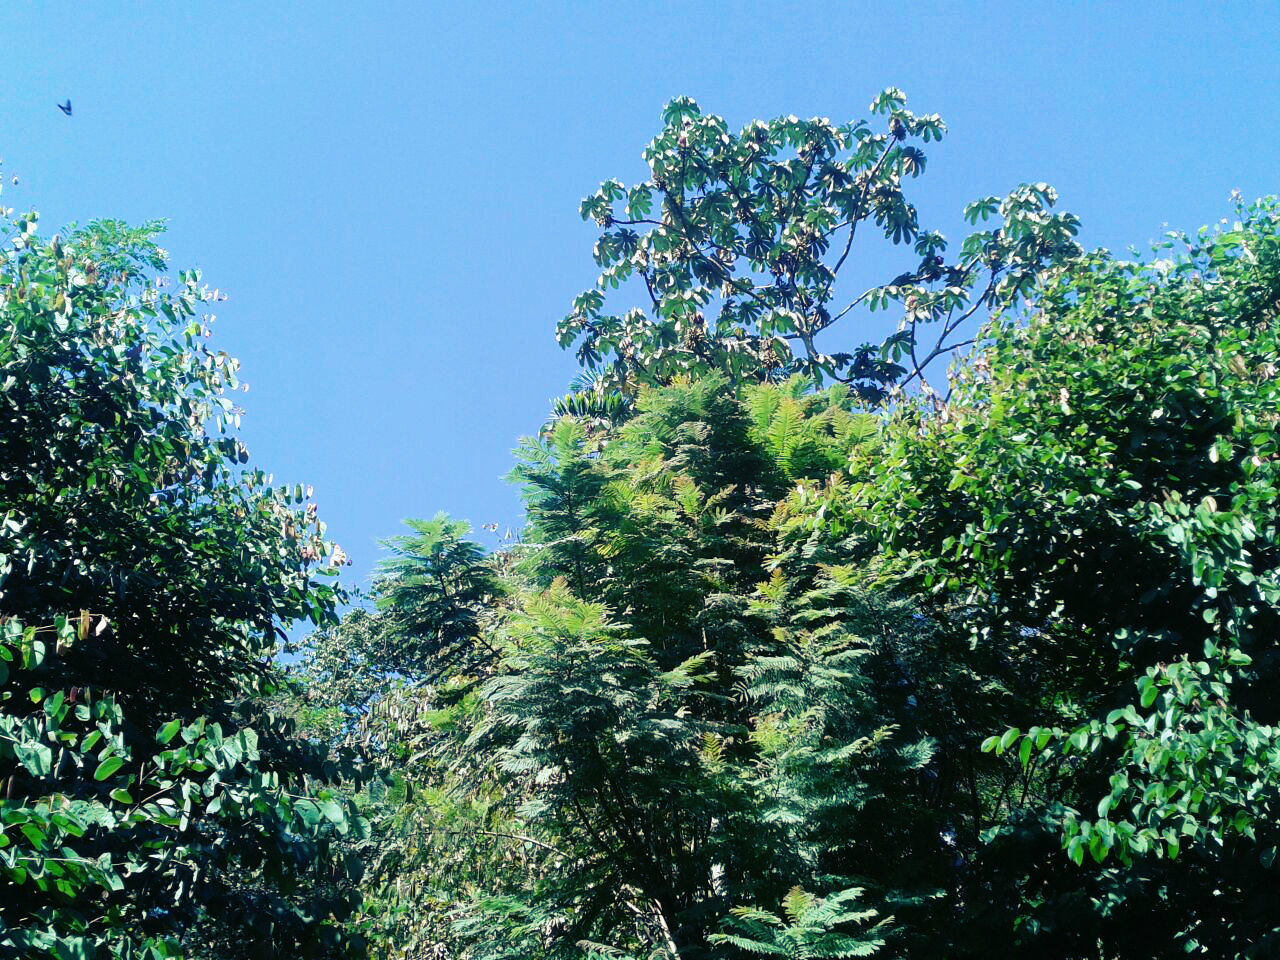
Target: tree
column 1100, row 496
column 393, row 682
column 657, row 726
column 678, row 697
column 775, row 671
column 144, row 580
column 736, row 243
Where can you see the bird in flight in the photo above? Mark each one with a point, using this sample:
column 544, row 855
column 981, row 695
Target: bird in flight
column 66, row 107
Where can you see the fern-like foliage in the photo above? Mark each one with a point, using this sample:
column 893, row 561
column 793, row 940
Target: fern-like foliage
column 808, row 928
column 663, row 712
column 809, row 435
column 432, row 590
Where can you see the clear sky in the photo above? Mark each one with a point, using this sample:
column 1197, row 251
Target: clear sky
column 388, row 191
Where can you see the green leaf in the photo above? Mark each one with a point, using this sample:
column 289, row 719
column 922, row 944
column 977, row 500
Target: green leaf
column 1075, row 850
column 107, row 767
column 308, row 811
column 168, row 731
column 1149, row 693
column 36, row 757
column 333, row 811
column 1008, row 738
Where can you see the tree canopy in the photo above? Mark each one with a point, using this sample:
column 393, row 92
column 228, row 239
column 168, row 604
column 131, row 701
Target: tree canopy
column 797, row 654
column 737, row 242
column 150, row 804
column 783, row 669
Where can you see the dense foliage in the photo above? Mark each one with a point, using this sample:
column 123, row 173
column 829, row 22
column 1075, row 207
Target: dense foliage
column 150, row 805
column 1100, row 497
column 795, row 655
column 775, row 672
column 657, row 727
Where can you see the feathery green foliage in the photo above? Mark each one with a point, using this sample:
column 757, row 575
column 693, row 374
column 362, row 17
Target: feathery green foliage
column 808, row 930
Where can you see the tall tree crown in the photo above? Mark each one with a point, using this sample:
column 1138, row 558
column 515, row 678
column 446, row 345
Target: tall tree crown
column 735, row 243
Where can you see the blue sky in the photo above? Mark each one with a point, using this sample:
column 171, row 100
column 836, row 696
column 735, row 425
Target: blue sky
column 388, row 191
